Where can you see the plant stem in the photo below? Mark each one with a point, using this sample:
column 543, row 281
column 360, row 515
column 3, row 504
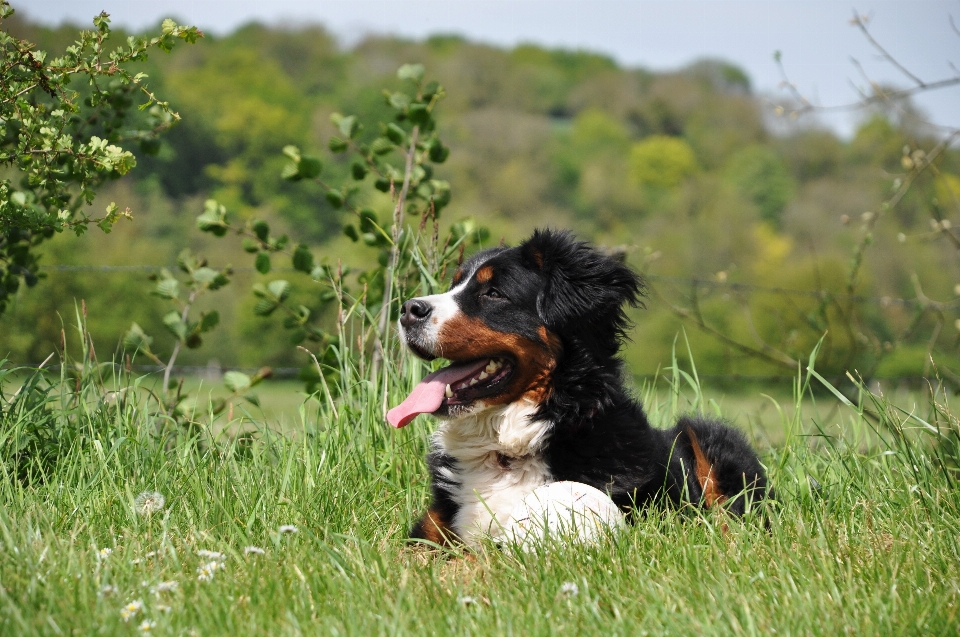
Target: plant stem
column 378, row 349
column 176, row 348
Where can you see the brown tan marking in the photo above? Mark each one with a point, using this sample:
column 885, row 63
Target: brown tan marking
column 484, row 274
column 436, row 529
column 711, row 492
column 464, row 338
column 457, row 276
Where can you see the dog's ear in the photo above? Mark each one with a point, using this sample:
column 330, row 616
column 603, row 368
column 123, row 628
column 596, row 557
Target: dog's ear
column 582, row 286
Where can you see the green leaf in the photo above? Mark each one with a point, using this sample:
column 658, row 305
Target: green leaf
column 418, row 113
column 351, row 231
column 208, row 321
column 398, row 100
column 431, row 89
column 412, row 72
column 438, row 152
column 335, row 197
column 264, row 307
column 250, row 245
column 280, row 289
column 236, row 382
column 213, row 219
column 381, row 146
column 337, row 145
column 382, row 184
column 368, row 220
column 176, row 326
column 358, row 170
column 292, row 152
column 136, row 340
column 262, row 230
column 204, row 275
column 262, row 262
column 303, row 259
column 167, row 289
column 395, row 134
column 349, row 126
column 309, row 167
column 291, row 172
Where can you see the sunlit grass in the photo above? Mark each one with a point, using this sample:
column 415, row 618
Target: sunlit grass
column 305, row 534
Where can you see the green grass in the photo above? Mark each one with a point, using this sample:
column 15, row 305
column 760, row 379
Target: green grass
column 874, row 549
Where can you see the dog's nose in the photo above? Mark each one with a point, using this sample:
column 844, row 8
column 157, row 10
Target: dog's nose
column 414, row 311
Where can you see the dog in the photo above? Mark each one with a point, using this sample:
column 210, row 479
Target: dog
column 535, row 394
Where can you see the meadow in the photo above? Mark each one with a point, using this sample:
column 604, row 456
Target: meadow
column 115, row 520
column 130, row 504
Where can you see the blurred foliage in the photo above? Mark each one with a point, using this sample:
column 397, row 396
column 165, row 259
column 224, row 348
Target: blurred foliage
column 61, row 122
column 680, row 171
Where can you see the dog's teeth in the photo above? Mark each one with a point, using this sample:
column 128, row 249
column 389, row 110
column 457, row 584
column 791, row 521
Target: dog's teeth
column 473, row 381
column 483, row 376
column 490, row 368
column 448, row 392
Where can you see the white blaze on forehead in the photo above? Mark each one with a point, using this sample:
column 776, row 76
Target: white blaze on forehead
column 444, row 307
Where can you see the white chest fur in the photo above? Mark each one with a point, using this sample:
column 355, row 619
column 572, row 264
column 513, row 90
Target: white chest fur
column 498, row 462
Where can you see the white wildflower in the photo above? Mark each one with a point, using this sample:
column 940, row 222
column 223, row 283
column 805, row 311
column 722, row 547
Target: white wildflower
column 146, row 626
column 166, row 587
column 149, row 502
column 108, row 590
column 466, row 600
column 104, row 553
column 146, row 557
column 288, row 528
column 255, row 550
column 212, row 555
column 163, row 608
column 132, row 609
column 569, row 589
column 206, row 572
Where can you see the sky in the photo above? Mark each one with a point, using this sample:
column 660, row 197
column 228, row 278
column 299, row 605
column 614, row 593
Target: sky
column 815, row 37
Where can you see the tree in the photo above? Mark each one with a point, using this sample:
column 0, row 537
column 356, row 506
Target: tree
column 62, row 123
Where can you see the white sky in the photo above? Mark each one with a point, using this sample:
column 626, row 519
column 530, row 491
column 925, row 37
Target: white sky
column 815, row 36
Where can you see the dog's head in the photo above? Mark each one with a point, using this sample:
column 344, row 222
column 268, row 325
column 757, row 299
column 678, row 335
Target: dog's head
column 509, row 317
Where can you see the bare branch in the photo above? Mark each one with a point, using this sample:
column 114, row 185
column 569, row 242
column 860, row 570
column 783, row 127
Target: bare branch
column 859, row 22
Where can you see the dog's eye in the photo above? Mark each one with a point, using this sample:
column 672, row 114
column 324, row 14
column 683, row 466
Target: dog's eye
column 494, row 293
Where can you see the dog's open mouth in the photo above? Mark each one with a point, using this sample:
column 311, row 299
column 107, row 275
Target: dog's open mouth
column 455, row 384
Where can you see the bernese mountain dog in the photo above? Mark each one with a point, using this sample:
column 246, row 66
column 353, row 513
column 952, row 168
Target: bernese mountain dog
column 535, row 394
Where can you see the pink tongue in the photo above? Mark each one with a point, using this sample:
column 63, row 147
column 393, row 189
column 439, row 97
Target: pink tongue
column 427, row 397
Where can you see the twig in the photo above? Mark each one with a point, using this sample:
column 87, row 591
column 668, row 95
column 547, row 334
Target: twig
column 860, row 24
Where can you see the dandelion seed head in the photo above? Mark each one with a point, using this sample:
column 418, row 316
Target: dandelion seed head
column 569, row 589
column 149, row 502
